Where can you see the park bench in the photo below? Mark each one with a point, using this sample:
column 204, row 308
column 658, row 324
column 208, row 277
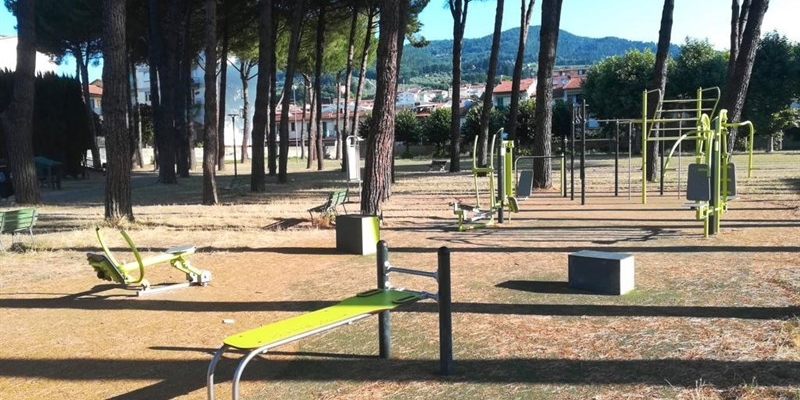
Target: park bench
column 437, row 165
column 379, row 301
column 335, row 199
column 18, row 221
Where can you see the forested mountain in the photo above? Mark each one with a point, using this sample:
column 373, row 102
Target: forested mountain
column 436, row 57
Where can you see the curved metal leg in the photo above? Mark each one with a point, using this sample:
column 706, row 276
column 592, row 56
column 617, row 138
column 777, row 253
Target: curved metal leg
column 240, row 368
column 210, row 373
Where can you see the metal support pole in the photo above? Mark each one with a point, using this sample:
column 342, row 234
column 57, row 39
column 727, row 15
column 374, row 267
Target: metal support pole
column 616, row 158
column 630, row 155
column 564, row 168
column 583, row 152
column 384, row 319
column 501, row 184
column 445, row 313
column 572, row 154
column 660, row 150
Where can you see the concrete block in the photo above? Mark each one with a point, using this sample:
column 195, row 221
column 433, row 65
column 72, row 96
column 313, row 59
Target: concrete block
column 357, row 234
column 601, row 272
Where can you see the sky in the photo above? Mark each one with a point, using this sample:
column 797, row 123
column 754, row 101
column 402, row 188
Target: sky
column 628, row 19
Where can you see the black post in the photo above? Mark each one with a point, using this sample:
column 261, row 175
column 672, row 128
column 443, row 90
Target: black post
column 583, row 152
column 572, row 154
column 715, row 186
column 661, row 154
column 384, row 319
column 501, row 188
column 616, row 158
column 564, row 168
column 445, row 316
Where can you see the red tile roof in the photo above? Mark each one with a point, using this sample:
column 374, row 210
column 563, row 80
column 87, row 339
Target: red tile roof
column 505, row 86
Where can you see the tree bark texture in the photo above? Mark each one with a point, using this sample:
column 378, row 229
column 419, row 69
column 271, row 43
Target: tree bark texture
column 320, row 44
column 733, row 96
column 294, row 41
column 210, row 145
column 223, row 93
column 458, row 10
column 263, row 92
column 524, row 24
column 17, row 119
column 658, row 81
column 84, row 69
column 272, row 124
column 118, row 155
column 348, row 76
column 543, row 114
column 373, row 10
column 486, row 110
column 380, row 138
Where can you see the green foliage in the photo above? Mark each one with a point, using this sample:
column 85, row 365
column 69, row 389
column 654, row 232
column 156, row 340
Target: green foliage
column 562, row 119
column 60, row 124
column 614, row 86
column 526, row 122
column 775, row 80
column 697, row 66
column 780, row 121
column 407, row 128
column 435, row 58
column 472, row 122
column 436, row 129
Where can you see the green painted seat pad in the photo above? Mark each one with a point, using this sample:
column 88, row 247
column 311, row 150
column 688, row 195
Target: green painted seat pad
column 363, row 304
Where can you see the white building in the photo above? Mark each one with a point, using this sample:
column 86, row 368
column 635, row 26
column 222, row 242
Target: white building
column 8, row 56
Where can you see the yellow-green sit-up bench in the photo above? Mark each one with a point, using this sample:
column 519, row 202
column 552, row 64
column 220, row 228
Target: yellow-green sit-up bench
column 377, row 301
column 108, row 268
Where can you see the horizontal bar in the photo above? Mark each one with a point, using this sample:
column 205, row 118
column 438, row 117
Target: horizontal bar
column 433, row 275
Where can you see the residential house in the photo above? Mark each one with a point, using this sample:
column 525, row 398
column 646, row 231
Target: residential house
column 96, row 96
column 501, row 95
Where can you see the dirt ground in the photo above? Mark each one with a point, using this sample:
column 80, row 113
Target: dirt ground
column 711, row 318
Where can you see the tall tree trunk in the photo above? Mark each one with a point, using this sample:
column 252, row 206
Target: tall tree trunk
column 261, row 116
column 363, row 68
column 137, row 116
column 244, row 74
column 210, row 120
column 82, row 67
column 337, row 118
column 486, row 110
column 118, row 176
column 184, row 147
column 223, row 91
column 524, row 24
column 733, row 96
column 312, row 128
column 380, row 138
column 297, row 20
column 348, row 75
column 542, row 138
column 273, row 102
column 458, row 9
column 17, row 119
column 320, row 43
column 658, row 81
column 155, row 55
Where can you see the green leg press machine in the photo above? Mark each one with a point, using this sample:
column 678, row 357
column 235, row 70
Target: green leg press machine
column 378, row 301
column 108, row 268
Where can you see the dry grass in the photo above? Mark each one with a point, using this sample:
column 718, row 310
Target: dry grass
column 713, row 318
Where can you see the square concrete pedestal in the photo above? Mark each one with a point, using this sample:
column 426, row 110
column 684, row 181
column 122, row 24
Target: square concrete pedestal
column 357, row 234
column 601, row 272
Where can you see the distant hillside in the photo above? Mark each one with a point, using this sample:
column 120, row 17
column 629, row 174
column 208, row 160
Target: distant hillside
column 572, row 50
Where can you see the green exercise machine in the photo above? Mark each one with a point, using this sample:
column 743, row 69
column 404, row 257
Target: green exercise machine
column 379, row 301
column 131, row 274
column 711, row 180
column 500, row 198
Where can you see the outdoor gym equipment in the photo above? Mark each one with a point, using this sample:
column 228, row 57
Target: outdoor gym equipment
column 108, row 268
column 469, row 216
column 378, row 301
column 711, row 181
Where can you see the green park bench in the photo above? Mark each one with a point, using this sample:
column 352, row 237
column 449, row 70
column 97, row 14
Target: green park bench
column 18, row 221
